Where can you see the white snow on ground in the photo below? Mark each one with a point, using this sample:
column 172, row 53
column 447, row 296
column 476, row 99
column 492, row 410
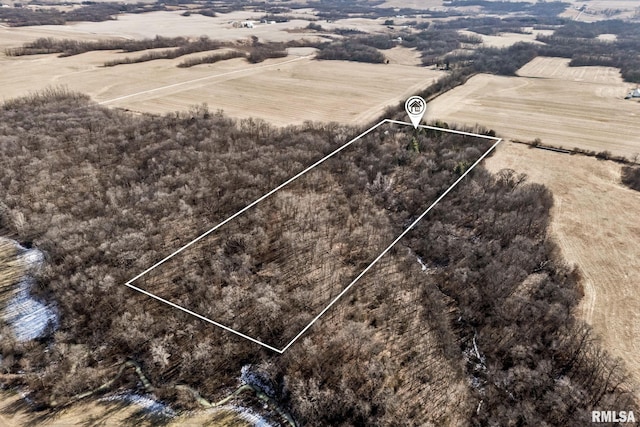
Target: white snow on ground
column 158, row 408
column 27, row 317
column 248, row 376
column 148, row 404
column 422, row 264
column 247, row 415
column 32, row 258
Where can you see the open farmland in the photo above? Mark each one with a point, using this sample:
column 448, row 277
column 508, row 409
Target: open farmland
column 595, row 223
column 148, row 25
column 563, row 106
column 601, row 10
column 507, row 39
column 173, row 24
column 416, row 4
column 116, row 413
column 316, row 90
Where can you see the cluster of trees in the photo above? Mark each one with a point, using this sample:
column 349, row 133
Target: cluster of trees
column 504, row 61
column 259, row 51
column 574, row 40
column 544, row 8
column 326, row 10
column 482, row 334
column 435, row 43
column 577, row 40
column 201, row 44
column 202, row 11
column 530, row 361
column 212, row 59
column 254, row 50
column 69, row 47
column 94, row 12
column 379, row 41
column 349, row 50
column 631, row 177
column 489, row 25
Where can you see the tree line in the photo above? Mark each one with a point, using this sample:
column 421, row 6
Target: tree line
column 93, row 12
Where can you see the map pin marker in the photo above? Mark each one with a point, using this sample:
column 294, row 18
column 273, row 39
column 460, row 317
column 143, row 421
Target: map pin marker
column 415, row 107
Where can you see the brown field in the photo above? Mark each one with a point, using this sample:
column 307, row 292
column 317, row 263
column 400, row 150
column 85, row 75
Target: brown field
column 625, row 9
column 415, row 4
column 508, row 39
column 403, row 56
column 563, row 106
column 315, row 90
column 94, row 414
column 595, row 223
column 172, row 24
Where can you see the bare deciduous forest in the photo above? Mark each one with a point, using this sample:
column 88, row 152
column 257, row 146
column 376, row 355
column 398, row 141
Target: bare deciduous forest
column 631, row 177
column 482, row 333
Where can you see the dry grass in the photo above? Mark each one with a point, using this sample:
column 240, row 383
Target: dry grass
column 91, row 413
column 315, row 90
column 324, row 91
column 403, row 56
column 148, row 25
column 563, row 106
column 595, row 223
column 595, row 11
column 11, row 268
column 507, row 39
column 414, row 4
column 173, row 24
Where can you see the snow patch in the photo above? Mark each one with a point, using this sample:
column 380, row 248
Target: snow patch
column 146, row 403
column 32, row 258
column 247, row 415
column 27, row 317
column 422, row 264
column 255, row 378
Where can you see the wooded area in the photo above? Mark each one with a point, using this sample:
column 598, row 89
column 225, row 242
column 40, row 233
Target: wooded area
column 481, row 333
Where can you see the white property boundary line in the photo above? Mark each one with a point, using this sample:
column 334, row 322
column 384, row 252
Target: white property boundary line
column 287, row 182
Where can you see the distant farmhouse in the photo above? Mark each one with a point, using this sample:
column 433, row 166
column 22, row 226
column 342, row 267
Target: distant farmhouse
column 633, row 94
column 243, row 24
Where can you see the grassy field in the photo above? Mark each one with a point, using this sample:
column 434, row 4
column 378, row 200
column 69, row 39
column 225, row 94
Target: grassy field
column 593, row 219
column 563, row 106
column 508, row 39
column 601, row 10
column 109, row 414
column 316, row 90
